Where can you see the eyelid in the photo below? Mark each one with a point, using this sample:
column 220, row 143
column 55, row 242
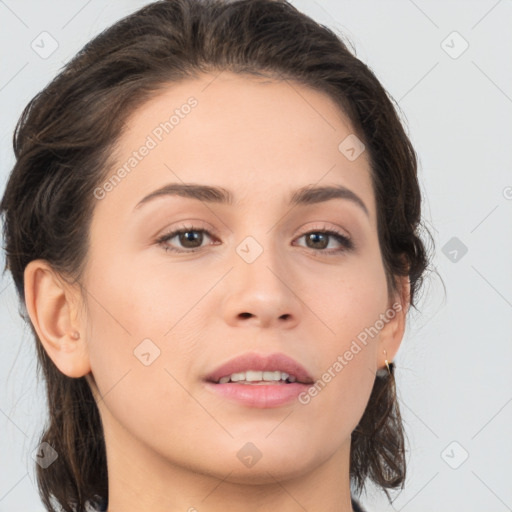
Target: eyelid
column 320, row 226
column 188, row 225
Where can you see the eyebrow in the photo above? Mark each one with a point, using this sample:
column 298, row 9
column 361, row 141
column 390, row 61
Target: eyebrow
column 303, row 196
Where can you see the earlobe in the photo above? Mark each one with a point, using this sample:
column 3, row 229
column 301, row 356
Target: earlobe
column 394, row 330
column 51, row 306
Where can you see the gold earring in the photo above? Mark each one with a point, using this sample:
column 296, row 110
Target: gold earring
column 386, row 361
column 381, row 372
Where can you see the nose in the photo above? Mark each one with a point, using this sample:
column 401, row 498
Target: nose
column 261, row 293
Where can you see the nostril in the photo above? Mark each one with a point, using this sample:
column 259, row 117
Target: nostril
column 245, row 315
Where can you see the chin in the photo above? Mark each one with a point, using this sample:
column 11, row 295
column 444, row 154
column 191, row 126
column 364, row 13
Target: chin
column 262, row 462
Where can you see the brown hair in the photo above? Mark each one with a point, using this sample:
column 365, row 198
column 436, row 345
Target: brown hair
column 63, row 143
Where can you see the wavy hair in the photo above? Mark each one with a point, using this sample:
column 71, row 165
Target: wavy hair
column 63, row 142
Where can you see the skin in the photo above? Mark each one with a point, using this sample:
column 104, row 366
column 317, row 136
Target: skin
column 171, row 444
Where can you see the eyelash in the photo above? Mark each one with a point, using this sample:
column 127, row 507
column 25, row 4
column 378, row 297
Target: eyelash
column 346, row 243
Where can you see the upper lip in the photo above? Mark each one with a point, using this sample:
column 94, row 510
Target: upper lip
column 261, row 362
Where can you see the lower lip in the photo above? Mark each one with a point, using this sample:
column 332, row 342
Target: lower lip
column 261, row 396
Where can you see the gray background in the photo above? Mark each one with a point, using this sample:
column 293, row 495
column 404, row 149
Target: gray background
column 455, row 383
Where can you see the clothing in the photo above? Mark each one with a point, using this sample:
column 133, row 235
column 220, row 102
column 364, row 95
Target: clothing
column 356, row 506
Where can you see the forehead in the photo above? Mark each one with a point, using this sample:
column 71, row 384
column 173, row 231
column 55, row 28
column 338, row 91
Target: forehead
column 258, row 137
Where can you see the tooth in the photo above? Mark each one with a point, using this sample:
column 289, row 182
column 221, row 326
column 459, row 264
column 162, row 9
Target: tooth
column 258, row 376
column 253, row 376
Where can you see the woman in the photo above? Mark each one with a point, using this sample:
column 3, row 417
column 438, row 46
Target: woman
column 212, row 223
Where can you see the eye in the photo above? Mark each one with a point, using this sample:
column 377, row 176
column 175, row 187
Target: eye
column 319, row 240
column 190, row 237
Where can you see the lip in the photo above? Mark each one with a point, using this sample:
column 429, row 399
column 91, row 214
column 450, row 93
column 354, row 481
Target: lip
column 260, row 396
column 261, row 362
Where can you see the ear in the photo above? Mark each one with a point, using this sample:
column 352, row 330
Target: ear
column 394, row 319
column 52, row 306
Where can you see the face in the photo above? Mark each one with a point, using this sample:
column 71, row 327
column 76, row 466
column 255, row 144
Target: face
column 257, row 274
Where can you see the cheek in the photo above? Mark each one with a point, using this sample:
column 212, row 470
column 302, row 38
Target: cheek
column 142, row 328
column 140, row 372
column 350, row 302
column 130, row 302
column 349, row 299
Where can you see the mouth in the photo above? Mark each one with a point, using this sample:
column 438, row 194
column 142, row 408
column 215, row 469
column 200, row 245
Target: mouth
column 261, row 381
column 258, row 377
column 251, row 368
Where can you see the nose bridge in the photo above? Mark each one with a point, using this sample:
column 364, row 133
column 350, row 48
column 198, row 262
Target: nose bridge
column 261, row 247
column 260, row 285
column 260, row 262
